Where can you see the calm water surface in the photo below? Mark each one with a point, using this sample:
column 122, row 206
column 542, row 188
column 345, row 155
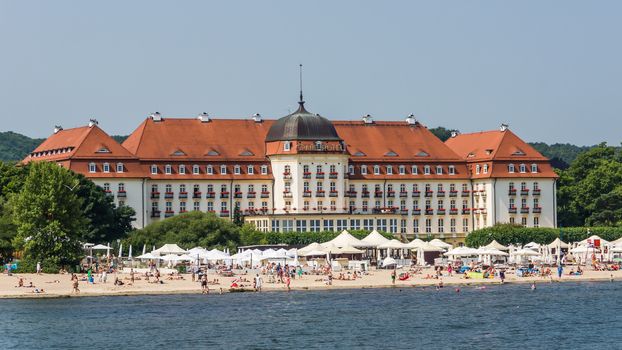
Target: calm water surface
column 566, row 315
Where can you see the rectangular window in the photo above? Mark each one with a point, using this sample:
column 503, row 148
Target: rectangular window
column 210, row 206
column 195, row 170
column 355, row 224
column 414, row 170
column 182, row 169
column 236, row 170
column 119, row 167
column 452, row 225
column 363, row 169
column 536, row 221
column 182, row 207
column 465, row 225
column 441, row 225
column 428, row 225
column 288, row 225
column 389, row 170
column 301, row 225
column 439, row 170
column 223, row 169
column 426, row 170
column 93, row 168
column 315, row 225
column 342, row 224
column 524, row 222
column 168, row 169
column 287, row 146
column 416, row 226
column 452, row 170
column 106, row 167
column 381, row 225
column 368, row 224
column 210, row 170
column 264, row 170
column 328, row 225
column 250, row 170
column 393, row 226
column 376, row 170
column 276, row 225
column 402, row 170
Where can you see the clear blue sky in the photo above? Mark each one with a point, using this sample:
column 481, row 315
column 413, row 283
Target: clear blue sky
column 551, row 69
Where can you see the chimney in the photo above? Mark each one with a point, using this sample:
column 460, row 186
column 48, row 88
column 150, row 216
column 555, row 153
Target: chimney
column 367, row 119
column 157, row 117
column 454, row 133
column 257, row 118
column 410, row 120
column 92, row 122
column 203, row 117
column 57, row 128
column 504, row 127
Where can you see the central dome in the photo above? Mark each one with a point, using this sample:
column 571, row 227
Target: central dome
column 302, row 125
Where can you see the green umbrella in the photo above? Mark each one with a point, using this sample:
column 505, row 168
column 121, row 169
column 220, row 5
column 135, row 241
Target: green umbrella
column 617, row 259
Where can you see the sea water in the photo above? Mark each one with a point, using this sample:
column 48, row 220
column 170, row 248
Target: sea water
column 554, row 316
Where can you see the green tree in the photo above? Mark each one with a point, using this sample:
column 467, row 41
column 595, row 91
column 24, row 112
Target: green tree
column 238, row 218
column 47, row 215
column 442, row 133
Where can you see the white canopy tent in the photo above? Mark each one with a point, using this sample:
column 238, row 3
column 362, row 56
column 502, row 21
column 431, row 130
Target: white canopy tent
column 345, row 239
column 169, row 249
column 461, row 251
column 593, row 238
column 496, row 245
column 375, row 239
column 438, row 243
column 310, row 247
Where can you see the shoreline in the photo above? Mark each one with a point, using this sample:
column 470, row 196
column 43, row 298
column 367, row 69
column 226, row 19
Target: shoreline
column 194, row 288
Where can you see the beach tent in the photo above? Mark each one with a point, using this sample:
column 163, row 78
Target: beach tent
column 617, row 242
column 496, row 245
column 169, row 249
column 388, row 261
column 415, row 243
column 461, row 251
column 375, row 239
column 314, row 253
column 148, row 256
column 582, row 249
column 310, row 247
column 592, row 239
column 349, row 250
column 345, row 239
column 393, row 244
column 438, row 243
column 100, row 247
column 532, row 245
column 558, row 243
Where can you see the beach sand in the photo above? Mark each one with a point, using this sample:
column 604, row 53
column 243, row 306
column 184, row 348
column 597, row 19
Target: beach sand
column 55, row 285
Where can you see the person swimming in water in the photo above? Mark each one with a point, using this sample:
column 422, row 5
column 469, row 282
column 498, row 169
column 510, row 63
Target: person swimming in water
column 533, row 286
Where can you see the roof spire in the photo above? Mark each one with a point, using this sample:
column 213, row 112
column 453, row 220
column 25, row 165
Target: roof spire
column 301, row 102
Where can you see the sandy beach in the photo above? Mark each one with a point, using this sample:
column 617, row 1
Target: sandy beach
column 55, row 285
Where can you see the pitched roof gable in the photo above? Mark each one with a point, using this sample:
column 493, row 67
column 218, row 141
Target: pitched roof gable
column 493, row 145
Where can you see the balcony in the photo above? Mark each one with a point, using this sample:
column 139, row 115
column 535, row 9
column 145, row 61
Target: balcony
column 453, row 193
column 224, row 194
column 287, row 175
column 466, row 193
column 440, row 193
column 287, row 194
column 319, row 175
column 384, row 210
column 265, row 194
column 333, row 194
column 306, row 175
column 155, row 195
column 416, row 211
column 333, row 175
column 108, row 192
column 512, row 210
column 168, row 213
column 378, row 194
column 365, row 194
column 196, row 195
column 250, row 195
column 453, row 211
column 429, row 212
column 429, row 193
column 210, row 195
column 416, row 193
column 224, row 213
column 391, row 194
column 183, row 195
column 512, row 192
column 351, row 194
column 403, row 194
column 536, row 192
column 169, row 195
column 237, row 194
column 466, row 211
column 440, row 211
column 524, row 210
column 537, row 210
column 121, row 194
column 155, row 213
column 320, row 193
column 181, row 211
column 306, row 194
column 524, row 192
column 403, row 211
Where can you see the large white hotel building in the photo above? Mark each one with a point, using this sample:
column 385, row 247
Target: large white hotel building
column 304, row 173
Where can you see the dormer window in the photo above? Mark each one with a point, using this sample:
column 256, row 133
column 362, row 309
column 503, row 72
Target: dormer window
column 236, row 170
column 414, row 170
column 363, row 169
column 92, row 168
column 210, row 170
column 523, row 168
column 119, row 167
column 318, row 145
column 250, row 170
column 478, row 169
column 511, row 168
column 168, row 169
column 106, row 167
column 439, row 170
column 389, row 170
column 154, row 169
column 287, row 146
column 452, row 170
column 264, row 170
column 426, row 170
column 182, row 169
column 534, row 168
column 351, row 169
column 485, row 168
column 195, row 170
column 376, row 170
column 223, row 169
column 402, row 170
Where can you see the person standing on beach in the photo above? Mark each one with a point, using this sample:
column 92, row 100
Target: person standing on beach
column 258, row 282
column 75, row 284
column 560, row 271
column 132, row 275
column 38, row 268
column 204, row 287
column 287, row 282
column 393, row 275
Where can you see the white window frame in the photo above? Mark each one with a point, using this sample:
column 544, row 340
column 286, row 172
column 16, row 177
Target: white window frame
column 376, row 169
column 452, row 170
column 106, row 167
column 511, row 168
column 154, row 169
column 120, row 167
column 196, row 169
column 485, row 169
column 250, row 170
column 351, row 169
column 182, row 169
column 426, row 170
column 523, row 168
column 478, row 169
column 389, row 170
column 264, row 170
column 363, row 169
column 439, row 170
column 237, row 170
column 223, row 169
column 92, row 168
column 414, row 170
column 168, row 169
column 287, row 146
column 402, row 170
column 209, row 170
column 534, row 168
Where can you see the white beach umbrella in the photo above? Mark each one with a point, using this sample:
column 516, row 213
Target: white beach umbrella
column 144, row 248
column 438, row 243
column 314, row 253
column 496, row 245
column 375, row 239
column 310, row 247
column 129, row 255
column 147, row 256
column 462, row 251
column 388, row 261
column 120, row 250
column 169, row 249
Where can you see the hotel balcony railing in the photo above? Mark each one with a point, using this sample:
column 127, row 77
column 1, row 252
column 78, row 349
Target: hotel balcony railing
column 512, row 210
column 524, row 210
column 536, row 210
column 429, row 193
column 224, row 213
column 196, row 195
column 168, row 213
column 512, row 192
column 416, row 193
column 365, row 194
column 155, row 195
column 403, row 194
column 524, row 192
column 440, row 193
column 384, row 210
column 466, row 193
column 121, row 194
column 319, row 175
column 224, row 194
column 155, row 213
column 440, row 211
column 466, row 211
column 416, row 211
column 183, row 195
column 404, row 211
column 333, row 194
column 181, row 211
column 306, row 194
column 351, row 194
column 306, row 175
column 453, row 211
column 237, row 194
column 168, row 195
column 378, row 194
column 287, row 194
column 250, row 195
column 210, row 195
column 429, row 212
column 390, row 193
column 265, row 194
column 320, row 193
column 453, row 193
column 536, row 192
column 287, row 175
column 108, row 192
column 333, row 175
